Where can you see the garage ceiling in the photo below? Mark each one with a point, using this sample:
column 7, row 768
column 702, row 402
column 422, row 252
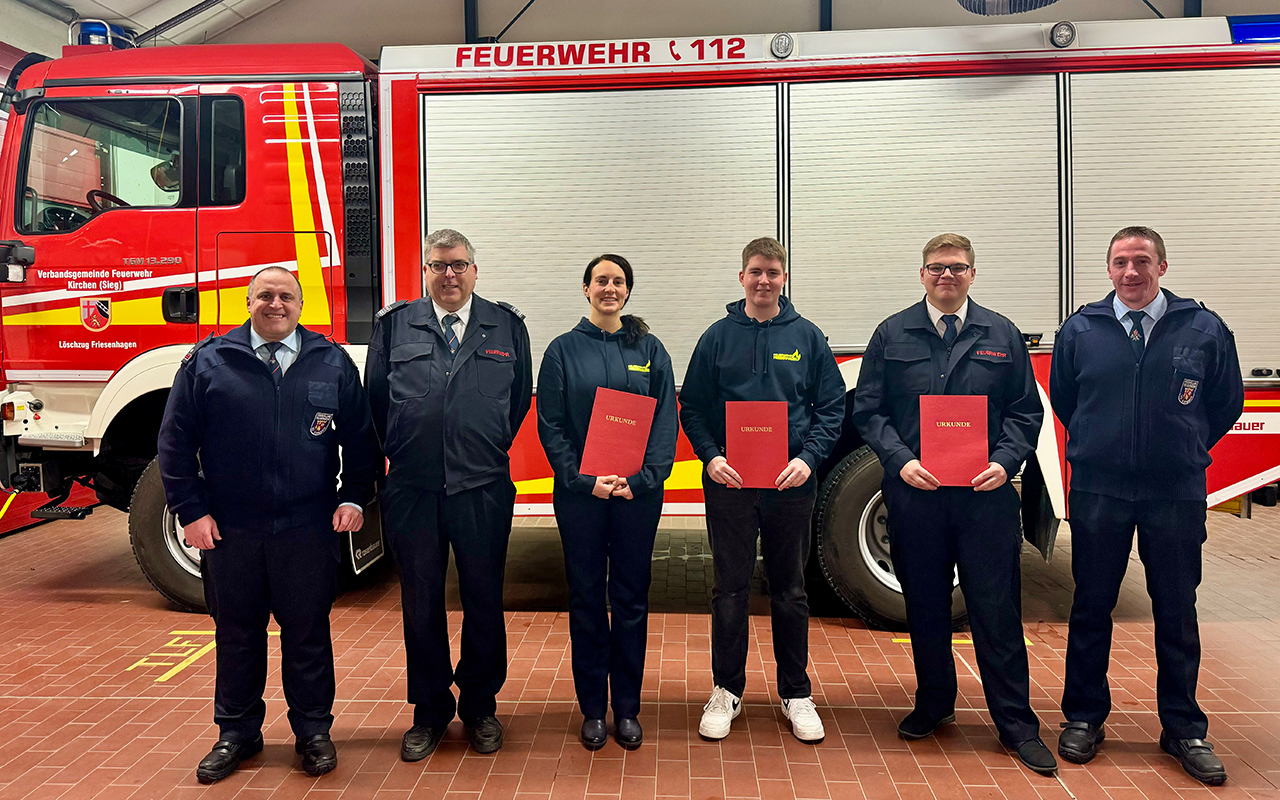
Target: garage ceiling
column 141, row 15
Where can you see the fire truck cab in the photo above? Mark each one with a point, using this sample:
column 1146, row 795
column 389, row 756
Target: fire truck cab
column 141, row 189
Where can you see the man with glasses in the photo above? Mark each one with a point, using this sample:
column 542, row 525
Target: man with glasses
column 1145, row 383
column 450, row 380
column 948, row 345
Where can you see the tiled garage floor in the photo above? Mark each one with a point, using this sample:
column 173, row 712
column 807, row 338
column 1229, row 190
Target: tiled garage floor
column 105, row 691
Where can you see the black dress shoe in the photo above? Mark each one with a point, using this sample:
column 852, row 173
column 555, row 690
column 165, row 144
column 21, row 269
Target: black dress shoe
column 225, row 757
column 1035, row 756
column 594, row 734
column 1078, row 742
column 485, row 734
column 420, row 741
column 1197, row 758
column 318, row 754
column 919, row 724
column 630, row 734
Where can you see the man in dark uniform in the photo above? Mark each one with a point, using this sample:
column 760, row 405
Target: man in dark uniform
column 947, row 344
column 1145, row 383
column 249, row 454
column 450, row 380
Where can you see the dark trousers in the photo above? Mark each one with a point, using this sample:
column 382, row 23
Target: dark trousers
column 421, row 527
column 735, row 518
column 931, row 534
column 247, row 578
column 608, row 552
column 1170, row 535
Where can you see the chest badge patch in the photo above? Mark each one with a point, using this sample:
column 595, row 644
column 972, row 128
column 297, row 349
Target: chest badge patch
column 1188, row 393
column 787, row 356
column 321, row 423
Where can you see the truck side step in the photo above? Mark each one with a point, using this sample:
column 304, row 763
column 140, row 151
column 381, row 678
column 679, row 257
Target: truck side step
column 52, row 510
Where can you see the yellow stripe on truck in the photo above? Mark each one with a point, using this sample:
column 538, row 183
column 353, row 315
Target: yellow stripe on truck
column 315, row 309
column 684, row 475
column 139, row 311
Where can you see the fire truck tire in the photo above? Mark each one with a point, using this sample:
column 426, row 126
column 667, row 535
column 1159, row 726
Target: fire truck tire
column 851, row 532
column 170, row 564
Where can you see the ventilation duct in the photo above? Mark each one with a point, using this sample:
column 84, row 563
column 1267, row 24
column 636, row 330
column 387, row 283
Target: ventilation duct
column 993, row 8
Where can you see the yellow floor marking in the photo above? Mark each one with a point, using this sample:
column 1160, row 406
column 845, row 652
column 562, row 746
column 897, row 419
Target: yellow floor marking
column 192, row 654
column 188, row 661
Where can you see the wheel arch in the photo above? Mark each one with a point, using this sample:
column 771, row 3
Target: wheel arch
column 147, row 373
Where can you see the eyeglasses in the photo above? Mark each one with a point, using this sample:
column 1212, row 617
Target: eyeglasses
column 456, row 267
column 956, row 269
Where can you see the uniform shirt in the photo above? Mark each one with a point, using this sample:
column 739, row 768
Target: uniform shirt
column 1141, row 429
column 1153, row 310
column 446, row 420
column 463, row 314
column 261, row 456
column 284, row 356
column 935, row 316
column 906, row 358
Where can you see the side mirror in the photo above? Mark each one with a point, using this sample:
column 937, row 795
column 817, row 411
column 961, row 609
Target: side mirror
column 15, row 257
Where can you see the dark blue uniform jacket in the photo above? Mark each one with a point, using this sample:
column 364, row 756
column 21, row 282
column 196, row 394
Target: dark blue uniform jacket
column 262, row 458
column 578, row 362
column 1142, row 429
column 785, row 358
column 906, row 358
column 446, row 423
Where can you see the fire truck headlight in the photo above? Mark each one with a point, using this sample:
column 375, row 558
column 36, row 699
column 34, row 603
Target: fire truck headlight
column 6, row 411
column 1062, row 34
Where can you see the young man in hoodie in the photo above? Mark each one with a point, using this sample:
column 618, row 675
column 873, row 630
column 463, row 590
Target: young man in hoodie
column 946, row 344
column 762, row 350
column 1145, row 383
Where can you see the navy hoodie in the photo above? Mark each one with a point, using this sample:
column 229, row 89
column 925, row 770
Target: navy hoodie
column 578, row 362
column 784, row 358
column 1141, row 429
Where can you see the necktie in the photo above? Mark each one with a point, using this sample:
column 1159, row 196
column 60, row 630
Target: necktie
column 450, row 335
column 276, row 372
column 949, row 335
column 1137, row 337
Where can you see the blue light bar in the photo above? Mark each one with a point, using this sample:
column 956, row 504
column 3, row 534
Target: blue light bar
column 1255, row 29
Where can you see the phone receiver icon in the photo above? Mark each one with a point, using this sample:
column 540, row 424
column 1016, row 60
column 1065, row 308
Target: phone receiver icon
column 672, row 46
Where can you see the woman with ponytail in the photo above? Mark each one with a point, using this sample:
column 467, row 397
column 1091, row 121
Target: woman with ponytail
column 607, row 522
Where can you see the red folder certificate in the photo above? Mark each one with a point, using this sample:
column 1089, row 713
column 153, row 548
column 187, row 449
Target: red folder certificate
column 953, row 437
column 618, row 434
column 755, row 441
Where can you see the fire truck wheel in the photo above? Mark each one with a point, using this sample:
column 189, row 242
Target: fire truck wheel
column 172, row 565
column 850, row 526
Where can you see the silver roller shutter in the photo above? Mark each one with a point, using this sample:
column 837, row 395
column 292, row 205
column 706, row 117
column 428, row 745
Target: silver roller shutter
column 677, row 181
column 1195, row 155
column 880, row 167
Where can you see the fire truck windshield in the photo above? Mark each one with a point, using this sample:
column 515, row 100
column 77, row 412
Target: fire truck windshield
column 88, row 156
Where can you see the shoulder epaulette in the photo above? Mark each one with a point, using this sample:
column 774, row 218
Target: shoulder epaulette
column 511, row 308
column 1064, row 322
column 195, row 348
column 389, row 309
column 1220, row 319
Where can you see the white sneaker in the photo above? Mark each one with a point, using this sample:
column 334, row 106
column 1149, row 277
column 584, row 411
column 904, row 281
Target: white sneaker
column 719, row 712
column 805, row 722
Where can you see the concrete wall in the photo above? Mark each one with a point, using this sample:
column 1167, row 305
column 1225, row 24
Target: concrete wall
column 29, row 30
column 366, row 25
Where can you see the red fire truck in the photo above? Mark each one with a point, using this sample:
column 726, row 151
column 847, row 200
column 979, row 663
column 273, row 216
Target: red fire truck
column 140, row 189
